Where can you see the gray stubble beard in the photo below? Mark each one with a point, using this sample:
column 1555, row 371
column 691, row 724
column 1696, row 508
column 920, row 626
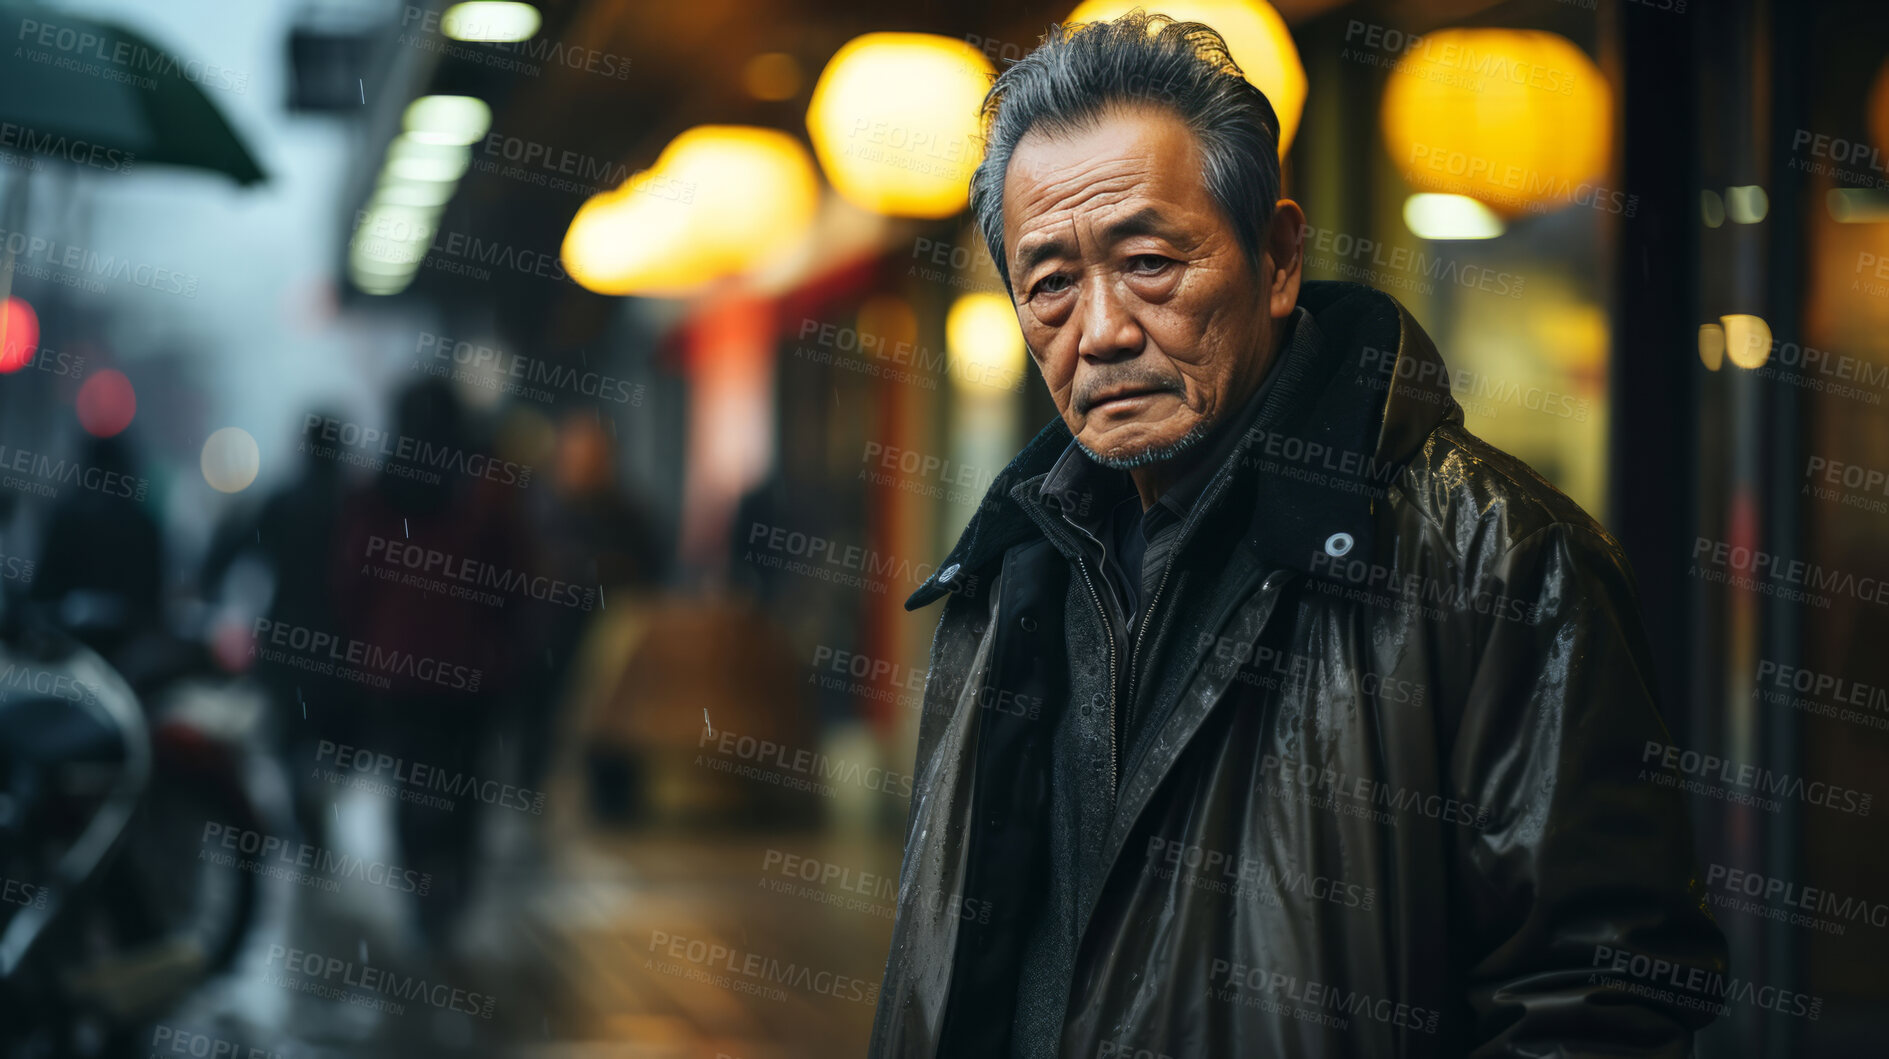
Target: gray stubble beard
column 1160, row 454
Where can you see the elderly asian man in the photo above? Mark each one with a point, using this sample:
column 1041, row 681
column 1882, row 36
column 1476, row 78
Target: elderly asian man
column 1336, row 712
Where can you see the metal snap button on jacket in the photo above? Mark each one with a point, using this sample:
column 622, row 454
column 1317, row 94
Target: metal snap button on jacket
column 949, row 572
column 1337, row 544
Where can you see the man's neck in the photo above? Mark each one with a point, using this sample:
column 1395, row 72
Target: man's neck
column 1154, row 480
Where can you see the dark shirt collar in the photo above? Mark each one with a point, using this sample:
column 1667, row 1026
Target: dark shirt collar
column 1075, row 474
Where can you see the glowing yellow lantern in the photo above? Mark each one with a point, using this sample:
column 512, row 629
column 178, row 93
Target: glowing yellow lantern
column 983, row 341
column 720, row 200
column 1519, row 119
column 1712, row 346
column 1255, row 34
column 1747, row 340
column 894, row 121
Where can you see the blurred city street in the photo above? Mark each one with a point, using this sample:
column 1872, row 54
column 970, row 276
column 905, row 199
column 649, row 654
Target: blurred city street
column 464, row 467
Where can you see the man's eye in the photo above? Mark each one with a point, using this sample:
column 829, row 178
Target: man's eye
column 1054, row 283
column 1148, row 263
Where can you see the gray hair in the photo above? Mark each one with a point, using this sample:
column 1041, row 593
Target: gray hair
column 1080, row 71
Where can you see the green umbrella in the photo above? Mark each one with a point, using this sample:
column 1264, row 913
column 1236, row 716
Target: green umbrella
column 100, row 94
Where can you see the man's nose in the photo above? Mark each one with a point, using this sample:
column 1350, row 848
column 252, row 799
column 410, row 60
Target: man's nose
column 1109, row 330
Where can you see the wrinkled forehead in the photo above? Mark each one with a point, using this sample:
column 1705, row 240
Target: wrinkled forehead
column 1133, row 162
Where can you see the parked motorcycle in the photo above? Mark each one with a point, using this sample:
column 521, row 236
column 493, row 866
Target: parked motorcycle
column 111, row 915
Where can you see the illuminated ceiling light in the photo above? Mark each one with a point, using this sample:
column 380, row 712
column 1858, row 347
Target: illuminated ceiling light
column 1747, row 340
column 1520, row 119
column 490, row 20
column 1747, row 204
column 721, row 200
column 389, row 246
column 380, row 282
column 982, row 339
column 1711, row 346
column 1853, row 205
column 1255, row 34
column 772, row 76
column 383, row 269
column 451, row 120
column 230, row 460
column 894, row 120
column 1431, row 216
column 396, row 226
column 1711, row 208
column 417, row 193
column 413, row 160
column 370, row 283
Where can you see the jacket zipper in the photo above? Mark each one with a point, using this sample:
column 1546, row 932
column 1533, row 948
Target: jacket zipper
column 1147, row 615
column 1109, row 632
column 1217, row 486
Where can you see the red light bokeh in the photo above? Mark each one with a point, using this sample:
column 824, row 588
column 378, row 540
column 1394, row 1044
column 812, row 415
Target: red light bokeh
column 19, row 334
column 106, row 403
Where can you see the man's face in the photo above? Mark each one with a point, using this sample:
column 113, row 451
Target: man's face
column 1131, row 288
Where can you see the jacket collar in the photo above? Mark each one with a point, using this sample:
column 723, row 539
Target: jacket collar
column 1340, row 420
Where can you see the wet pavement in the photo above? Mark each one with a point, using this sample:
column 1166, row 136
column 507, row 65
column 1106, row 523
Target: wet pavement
column 576, row 942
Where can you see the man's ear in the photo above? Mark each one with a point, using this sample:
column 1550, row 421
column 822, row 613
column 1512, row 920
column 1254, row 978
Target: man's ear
column 1285, row 240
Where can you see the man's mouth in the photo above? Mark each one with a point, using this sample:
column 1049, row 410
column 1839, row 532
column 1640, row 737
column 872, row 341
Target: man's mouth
column 1122, row 399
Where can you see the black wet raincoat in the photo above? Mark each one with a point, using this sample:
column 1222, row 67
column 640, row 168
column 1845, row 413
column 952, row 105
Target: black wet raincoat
column 1381, row 786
